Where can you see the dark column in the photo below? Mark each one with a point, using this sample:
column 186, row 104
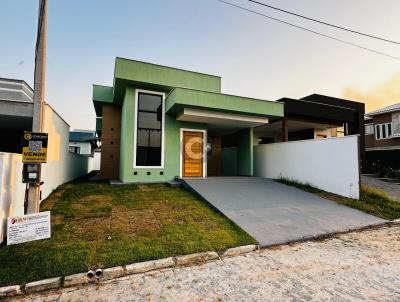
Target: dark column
column 285, row 132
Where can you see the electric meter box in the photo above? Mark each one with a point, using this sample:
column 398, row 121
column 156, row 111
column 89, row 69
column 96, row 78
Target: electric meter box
column 30, row 173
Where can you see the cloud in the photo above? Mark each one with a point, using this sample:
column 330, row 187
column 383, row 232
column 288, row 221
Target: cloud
column 385, row 94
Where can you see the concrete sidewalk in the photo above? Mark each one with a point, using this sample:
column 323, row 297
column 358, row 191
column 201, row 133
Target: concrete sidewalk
column 274, row 213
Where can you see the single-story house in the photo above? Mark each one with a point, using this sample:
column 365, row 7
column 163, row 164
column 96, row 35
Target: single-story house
column 157, row 123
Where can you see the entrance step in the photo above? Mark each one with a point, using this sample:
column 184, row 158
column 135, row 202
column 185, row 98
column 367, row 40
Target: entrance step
column 175, row 183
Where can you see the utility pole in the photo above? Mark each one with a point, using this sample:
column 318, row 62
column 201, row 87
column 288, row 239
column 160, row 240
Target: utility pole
column 38, row 97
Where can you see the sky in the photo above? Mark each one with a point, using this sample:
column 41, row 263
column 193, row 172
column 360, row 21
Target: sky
column 255, row 57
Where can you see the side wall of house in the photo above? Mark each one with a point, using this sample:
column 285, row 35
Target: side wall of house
column 110, row 142
column 330, row 164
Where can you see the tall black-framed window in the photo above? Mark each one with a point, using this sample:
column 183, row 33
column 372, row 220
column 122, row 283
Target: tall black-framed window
column 149, row 130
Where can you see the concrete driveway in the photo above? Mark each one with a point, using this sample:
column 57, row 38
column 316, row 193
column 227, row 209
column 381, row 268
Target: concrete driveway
column 274, row 213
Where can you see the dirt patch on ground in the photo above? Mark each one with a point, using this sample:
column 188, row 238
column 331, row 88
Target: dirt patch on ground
column 89, row 229
column 93, row 203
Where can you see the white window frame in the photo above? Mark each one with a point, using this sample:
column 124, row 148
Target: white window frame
column 381, row 127
column 204, row 149
column 137, row 91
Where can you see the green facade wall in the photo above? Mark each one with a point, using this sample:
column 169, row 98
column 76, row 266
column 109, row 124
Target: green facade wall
column 148, row 73
column 171, row 145
column 245, row 152
column 229, row 161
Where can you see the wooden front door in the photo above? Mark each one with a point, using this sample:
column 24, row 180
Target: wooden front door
column 193, row 153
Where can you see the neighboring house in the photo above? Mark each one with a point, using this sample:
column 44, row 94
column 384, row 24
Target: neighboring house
column 314, row 117
column 382, row 136
column 82, row 142
column 157, row 123
column 16, row 110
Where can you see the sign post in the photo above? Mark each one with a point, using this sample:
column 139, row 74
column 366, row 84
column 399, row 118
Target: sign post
column 38, row 97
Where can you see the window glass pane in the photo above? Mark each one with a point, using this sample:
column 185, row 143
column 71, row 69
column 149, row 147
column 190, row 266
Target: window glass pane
column 389, row 129
column 378, row 132
column 148, row 121
column 383, row 131
column 143, row 138
column 155, row 138
column 149, row 130
column 149, row 102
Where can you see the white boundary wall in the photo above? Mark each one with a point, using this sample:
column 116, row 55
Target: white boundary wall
column 330, row 164
column 12, row 190
column 62, row 166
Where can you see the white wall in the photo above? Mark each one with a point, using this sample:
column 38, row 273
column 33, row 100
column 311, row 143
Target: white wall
column 85, row 148
column 94, row 162
column 12, row 190
column 330, row 164
column 62, row 166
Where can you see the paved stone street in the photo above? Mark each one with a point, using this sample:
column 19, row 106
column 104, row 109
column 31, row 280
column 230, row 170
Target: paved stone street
column 360, row 266
column 391, row 189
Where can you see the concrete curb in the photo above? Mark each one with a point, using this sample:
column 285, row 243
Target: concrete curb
column 142, row 267
column 239, row 250
column 196, row 258
column 81, row 279
column 9, row 291
column 42, row 285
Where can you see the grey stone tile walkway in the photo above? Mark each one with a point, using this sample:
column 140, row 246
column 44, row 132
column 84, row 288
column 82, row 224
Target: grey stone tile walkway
column 274, row 213
column 360, row 266
column 391, row 189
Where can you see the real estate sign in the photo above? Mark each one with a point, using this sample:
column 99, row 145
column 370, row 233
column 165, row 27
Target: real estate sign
column 34, row 148
column 28, row 228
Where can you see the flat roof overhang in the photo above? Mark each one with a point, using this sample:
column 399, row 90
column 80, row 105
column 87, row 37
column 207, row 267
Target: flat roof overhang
column 184, row 98
column 102, row 95
column 145, row 75
column 222, row 113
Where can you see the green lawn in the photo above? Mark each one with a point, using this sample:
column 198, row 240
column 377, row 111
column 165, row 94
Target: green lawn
column 95, row 225
column 371, row 200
